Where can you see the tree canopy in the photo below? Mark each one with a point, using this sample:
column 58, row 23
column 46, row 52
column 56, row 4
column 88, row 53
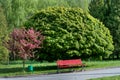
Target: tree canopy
column 71, row 32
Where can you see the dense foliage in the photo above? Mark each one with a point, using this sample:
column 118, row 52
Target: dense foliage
column 3, row 36
column 71, row 33
column 108, row 11
column 97, row 9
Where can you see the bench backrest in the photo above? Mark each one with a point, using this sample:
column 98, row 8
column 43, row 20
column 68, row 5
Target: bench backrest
column 68, row 63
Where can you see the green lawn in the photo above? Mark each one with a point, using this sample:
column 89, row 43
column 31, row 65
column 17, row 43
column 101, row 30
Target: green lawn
column 15, row 67
column 108, row 78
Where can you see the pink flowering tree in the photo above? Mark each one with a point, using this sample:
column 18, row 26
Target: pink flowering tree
column 22, row 42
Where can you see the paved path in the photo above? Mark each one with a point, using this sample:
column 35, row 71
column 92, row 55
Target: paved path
column 72, row 76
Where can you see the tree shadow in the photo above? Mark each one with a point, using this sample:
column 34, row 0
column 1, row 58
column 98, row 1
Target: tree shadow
column 38, row 68
column 10, row 70
column 44, row 68
column 20, row 69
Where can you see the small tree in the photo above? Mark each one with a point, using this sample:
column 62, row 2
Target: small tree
column 22, row 42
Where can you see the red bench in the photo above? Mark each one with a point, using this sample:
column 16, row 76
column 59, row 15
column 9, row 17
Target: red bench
column 69, row 63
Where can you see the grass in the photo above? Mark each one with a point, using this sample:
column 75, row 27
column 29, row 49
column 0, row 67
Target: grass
column 15, row 67
column 108, row 78
column 102, row 64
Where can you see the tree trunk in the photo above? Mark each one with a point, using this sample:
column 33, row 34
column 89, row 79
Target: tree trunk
column 117, row 55
column 23, row 64
column 8, row 60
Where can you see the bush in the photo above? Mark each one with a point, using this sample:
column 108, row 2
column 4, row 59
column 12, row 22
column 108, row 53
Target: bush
column 4, row 55
column 71, row 33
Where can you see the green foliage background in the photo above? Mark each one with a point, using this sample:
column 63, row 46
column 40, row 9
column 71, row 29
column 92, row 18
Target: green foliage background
column 18, row 11
column 3, row 36
column 71, row 33
column 108, row 11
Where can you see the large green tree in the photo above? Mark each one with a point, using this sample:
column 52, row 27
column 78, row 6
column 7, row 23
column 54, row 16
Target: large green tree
column 71, row 33
column 108, row 11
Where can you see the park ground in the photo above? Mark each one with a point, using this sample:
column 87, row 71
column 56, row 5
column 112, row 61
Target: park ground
column 84, row 75
column 14, row 68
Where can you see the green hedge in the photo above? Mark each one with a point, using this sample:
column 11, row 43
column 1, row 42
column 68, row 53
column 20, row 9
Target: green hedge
column 71, row 33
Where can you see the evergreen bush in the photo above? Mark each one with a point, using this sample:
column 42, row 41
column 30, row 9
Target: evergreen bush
column 71, row 33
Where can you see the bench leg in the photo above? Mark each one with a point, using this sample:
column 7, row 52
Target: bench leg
column 83, row 69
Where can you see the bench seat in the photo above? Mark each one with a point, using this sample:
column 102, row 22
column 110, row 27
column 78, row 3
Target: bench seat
column 69, row 63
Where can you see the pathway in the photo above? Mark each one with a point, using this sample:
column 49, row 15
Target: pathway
column 72, row 76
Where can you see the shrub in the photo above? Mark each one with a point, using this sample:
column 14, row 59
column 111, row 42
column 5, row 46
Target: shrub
column 4, row 55
column 71, row 33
